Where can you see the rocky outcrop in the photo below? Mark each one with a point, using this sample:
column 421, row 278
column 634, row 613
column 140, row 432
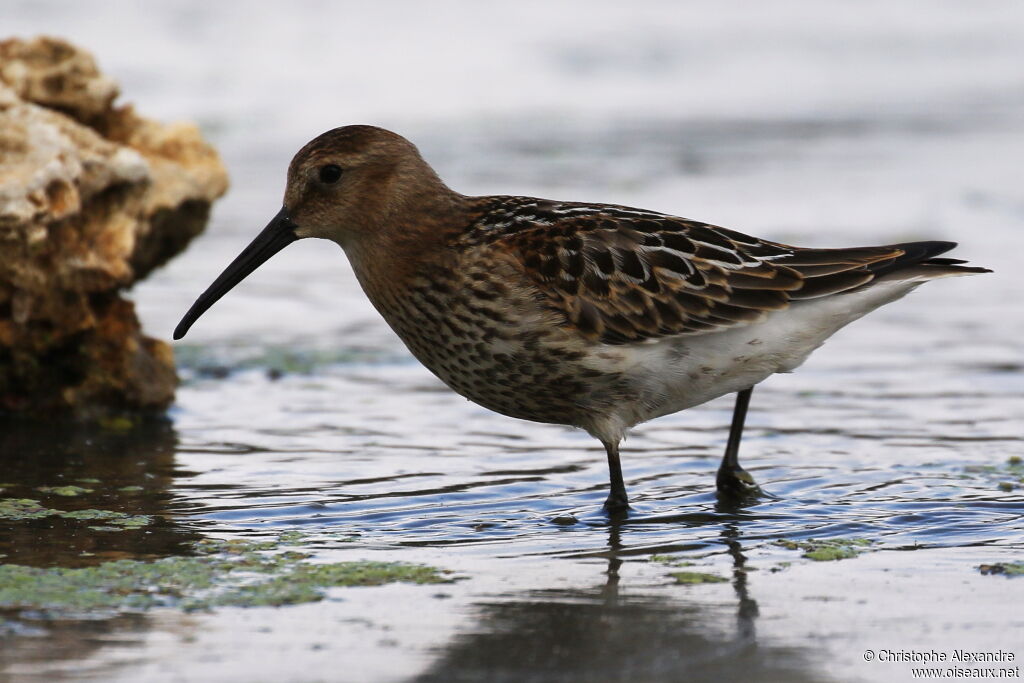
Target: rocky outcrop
column 93, row 197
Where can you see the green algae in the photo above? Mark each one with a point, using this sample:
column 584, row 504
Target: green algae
column 827, row 549
column 235, row 546
column 1006, row 477
column 830, row 553
column 233, row 573
column 17, row 509
column 292, row 537
column 692, row 578
column 306, row 582
column 89, row 514
column 132, row 521
column 64, row 490
column 1004, row 568
column 120, row 519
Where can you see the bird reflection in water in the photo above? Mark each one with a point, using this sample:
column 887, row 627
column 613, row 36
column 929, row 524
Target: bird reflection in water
column 615, row 631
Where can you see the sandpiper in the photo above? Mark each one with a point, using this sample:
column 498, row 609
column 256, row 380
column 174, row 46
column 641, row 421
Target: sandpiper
column 597, row 316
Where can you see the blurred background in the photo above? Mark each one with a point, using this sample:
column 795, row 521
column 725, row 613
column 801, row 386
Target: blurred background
column 825, row 123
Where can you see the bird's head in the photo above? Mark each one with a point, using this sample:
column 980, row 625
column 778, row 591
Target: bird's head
column 351, row 185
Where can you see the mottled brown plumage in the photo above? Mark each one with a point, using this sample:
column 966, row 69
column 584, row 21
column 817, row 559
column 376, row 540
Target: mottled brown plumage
column 592, row 315
column 623, row 275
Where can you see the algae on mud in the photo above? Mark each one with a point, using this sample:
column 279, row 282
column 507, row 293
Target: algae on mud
column 68, row 491
column 827, row 549
column 15, row 509
column 686, row 577
column 1005, row 477
column 692, row 578
column 1003, row 568
column 223, row 573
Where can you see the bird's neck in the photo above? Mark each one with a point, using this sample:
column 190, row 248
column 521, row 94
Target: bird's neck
column 414, row 234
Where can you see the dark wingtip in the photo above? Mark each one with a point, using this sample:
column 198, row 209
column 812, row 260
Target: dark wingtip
column 915, row 253
column 960, row 269
column 920, row 251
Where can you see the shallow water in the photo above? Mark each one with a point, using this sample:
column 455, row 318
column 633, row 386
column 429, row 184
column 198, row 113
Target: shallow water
column 301, row 411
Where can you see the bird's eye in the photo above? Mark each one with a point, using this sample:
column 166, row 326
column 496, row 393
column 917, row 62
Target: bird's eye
column 330, row 173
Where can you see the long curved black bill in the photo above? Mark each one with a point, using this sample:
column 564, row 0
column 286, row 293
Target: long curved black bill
column 278, row 234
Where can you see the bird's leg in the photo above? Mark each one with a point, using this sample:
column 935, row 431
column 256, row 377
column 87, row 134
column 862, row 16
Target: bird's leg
column 617, row 498
column 732, row 479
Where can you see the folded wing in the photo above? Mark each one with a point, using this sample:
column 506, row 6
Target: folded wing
column 623, row 275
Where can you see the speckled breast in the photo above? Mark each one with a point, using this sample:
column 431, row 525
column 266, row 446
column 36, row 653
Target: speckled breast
column 494, row 344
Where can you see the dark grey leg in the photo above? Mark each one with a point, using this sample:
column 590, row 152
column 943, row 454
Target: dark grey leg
column 732, row 479
column 617, row 498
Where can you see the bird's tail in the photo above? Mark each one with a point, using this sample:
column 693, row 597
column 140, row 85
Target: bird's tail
column 834, row 271
column 918, row 262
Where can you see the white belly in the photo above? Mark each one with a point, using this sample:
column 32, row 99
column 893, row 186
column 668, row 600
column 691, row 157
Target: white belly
column 676, row 373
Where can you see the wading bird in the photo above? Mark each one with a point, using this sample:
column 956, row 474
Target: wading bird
column 591, row 315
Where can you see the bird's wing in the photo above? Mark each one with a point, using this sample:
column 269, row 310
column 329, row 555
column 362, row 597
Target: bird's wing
column 623, row 275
